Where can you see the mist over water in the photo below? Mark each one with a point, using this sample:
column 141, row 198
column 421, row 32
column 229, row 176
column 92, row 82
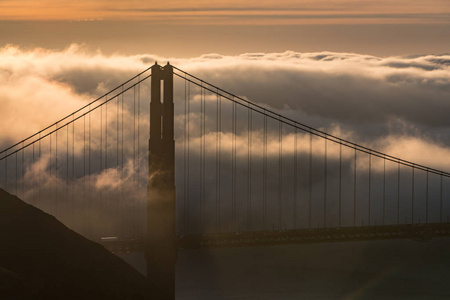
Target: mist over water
column 395, row 269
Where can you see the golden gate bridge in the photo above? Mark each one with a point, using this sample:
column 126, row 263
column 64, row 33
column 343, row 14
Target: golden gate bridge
column 216, row 170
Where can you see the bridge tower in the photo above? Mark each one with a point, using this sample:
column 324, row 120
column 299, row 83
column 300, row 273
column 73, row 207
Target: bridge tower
column 161, row 244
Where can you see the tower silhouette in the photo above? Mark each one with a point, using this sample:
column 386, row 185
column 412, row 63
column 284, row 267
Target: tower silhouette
column 161, row 248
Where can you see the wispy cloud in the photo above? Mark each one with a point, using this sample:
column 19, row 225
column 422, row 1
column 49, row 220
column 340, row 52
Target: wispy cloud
column 233, row 12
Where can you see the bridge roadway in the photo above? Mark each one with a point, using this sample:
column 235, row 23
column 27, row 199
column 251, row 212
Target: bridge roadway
column 420, row 232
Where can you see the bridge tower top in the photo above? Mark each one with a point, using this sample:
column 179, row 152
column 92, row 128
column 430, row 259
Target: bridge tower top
column 161, row 246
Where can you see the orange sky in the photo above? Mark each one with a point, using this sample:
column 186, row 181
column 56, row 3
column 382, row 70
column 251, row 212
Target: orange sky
column 377, row 27
column 266, row 12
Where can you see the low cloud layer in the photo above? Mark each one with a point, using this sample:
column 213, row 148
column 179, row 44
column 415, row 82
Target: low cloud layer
column 396, row 105
column 367, row 99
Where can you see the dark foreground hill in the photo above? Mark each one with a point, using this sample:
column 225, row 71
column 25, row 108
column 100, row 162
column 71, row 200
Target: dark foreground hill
column 40, row 258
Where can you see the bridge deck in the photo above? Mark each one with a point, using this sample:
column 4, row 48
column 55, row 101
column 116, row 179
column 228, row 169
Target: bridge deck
column 423, row 232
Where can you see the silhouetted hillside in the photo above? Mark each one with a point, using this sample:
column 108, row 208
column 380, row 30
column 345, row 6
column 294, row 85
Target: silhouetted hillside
column 40, row 258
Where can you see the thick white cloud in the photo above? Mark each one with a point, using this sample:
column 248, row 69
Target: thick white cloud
column 369, row 99
column 365, row 99
column 396, row 105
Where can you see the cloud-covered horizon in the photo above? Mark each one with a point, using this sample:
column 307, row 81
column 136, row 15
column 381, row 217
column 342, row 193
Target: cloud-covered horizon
column 366, row 99
column 397, row 105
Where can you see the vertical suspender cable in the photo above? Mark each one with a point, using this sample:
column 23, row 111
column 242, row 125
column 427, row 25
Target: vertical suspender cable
column 50, row 171
column 89, row 171
column 39, row 170
column 280, row 171
column 310, row 180
column 295, row 176
column 217, row 160
column 67, row 164
column 187, row 163
column 117, row 160
column 65, row 203
column 100, row 204
column 398, row 193
column 340, row 183
column 18, row 179
column 325, row 173
column 134, row 161
column 426, row 208
column 106, row 135
column 233, row 161
column 6, row 169
column 184, row 158
column 33, row 180
column 384, row 190
column 16, row 174
column 370, row 185
column 183, row 228
column 412, row 196
column 105, row 205
column 73, row 166
column 440, row 200
column 354, row 193
column 23, row 168
column 265, row 170
column 202, row 156
column 56, row 168
column 138, row 131
column 249, row 169
column 84, row 174
column 101, row 140
column 103, row 167
column 138, row 189
column 139, row 210
column 122, row 156
column 201, row 159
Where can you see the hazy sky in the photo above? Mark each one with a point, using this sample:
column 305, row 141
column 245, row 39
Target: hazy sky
column 227, row 12
column 191, row 28
column 372, row 71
